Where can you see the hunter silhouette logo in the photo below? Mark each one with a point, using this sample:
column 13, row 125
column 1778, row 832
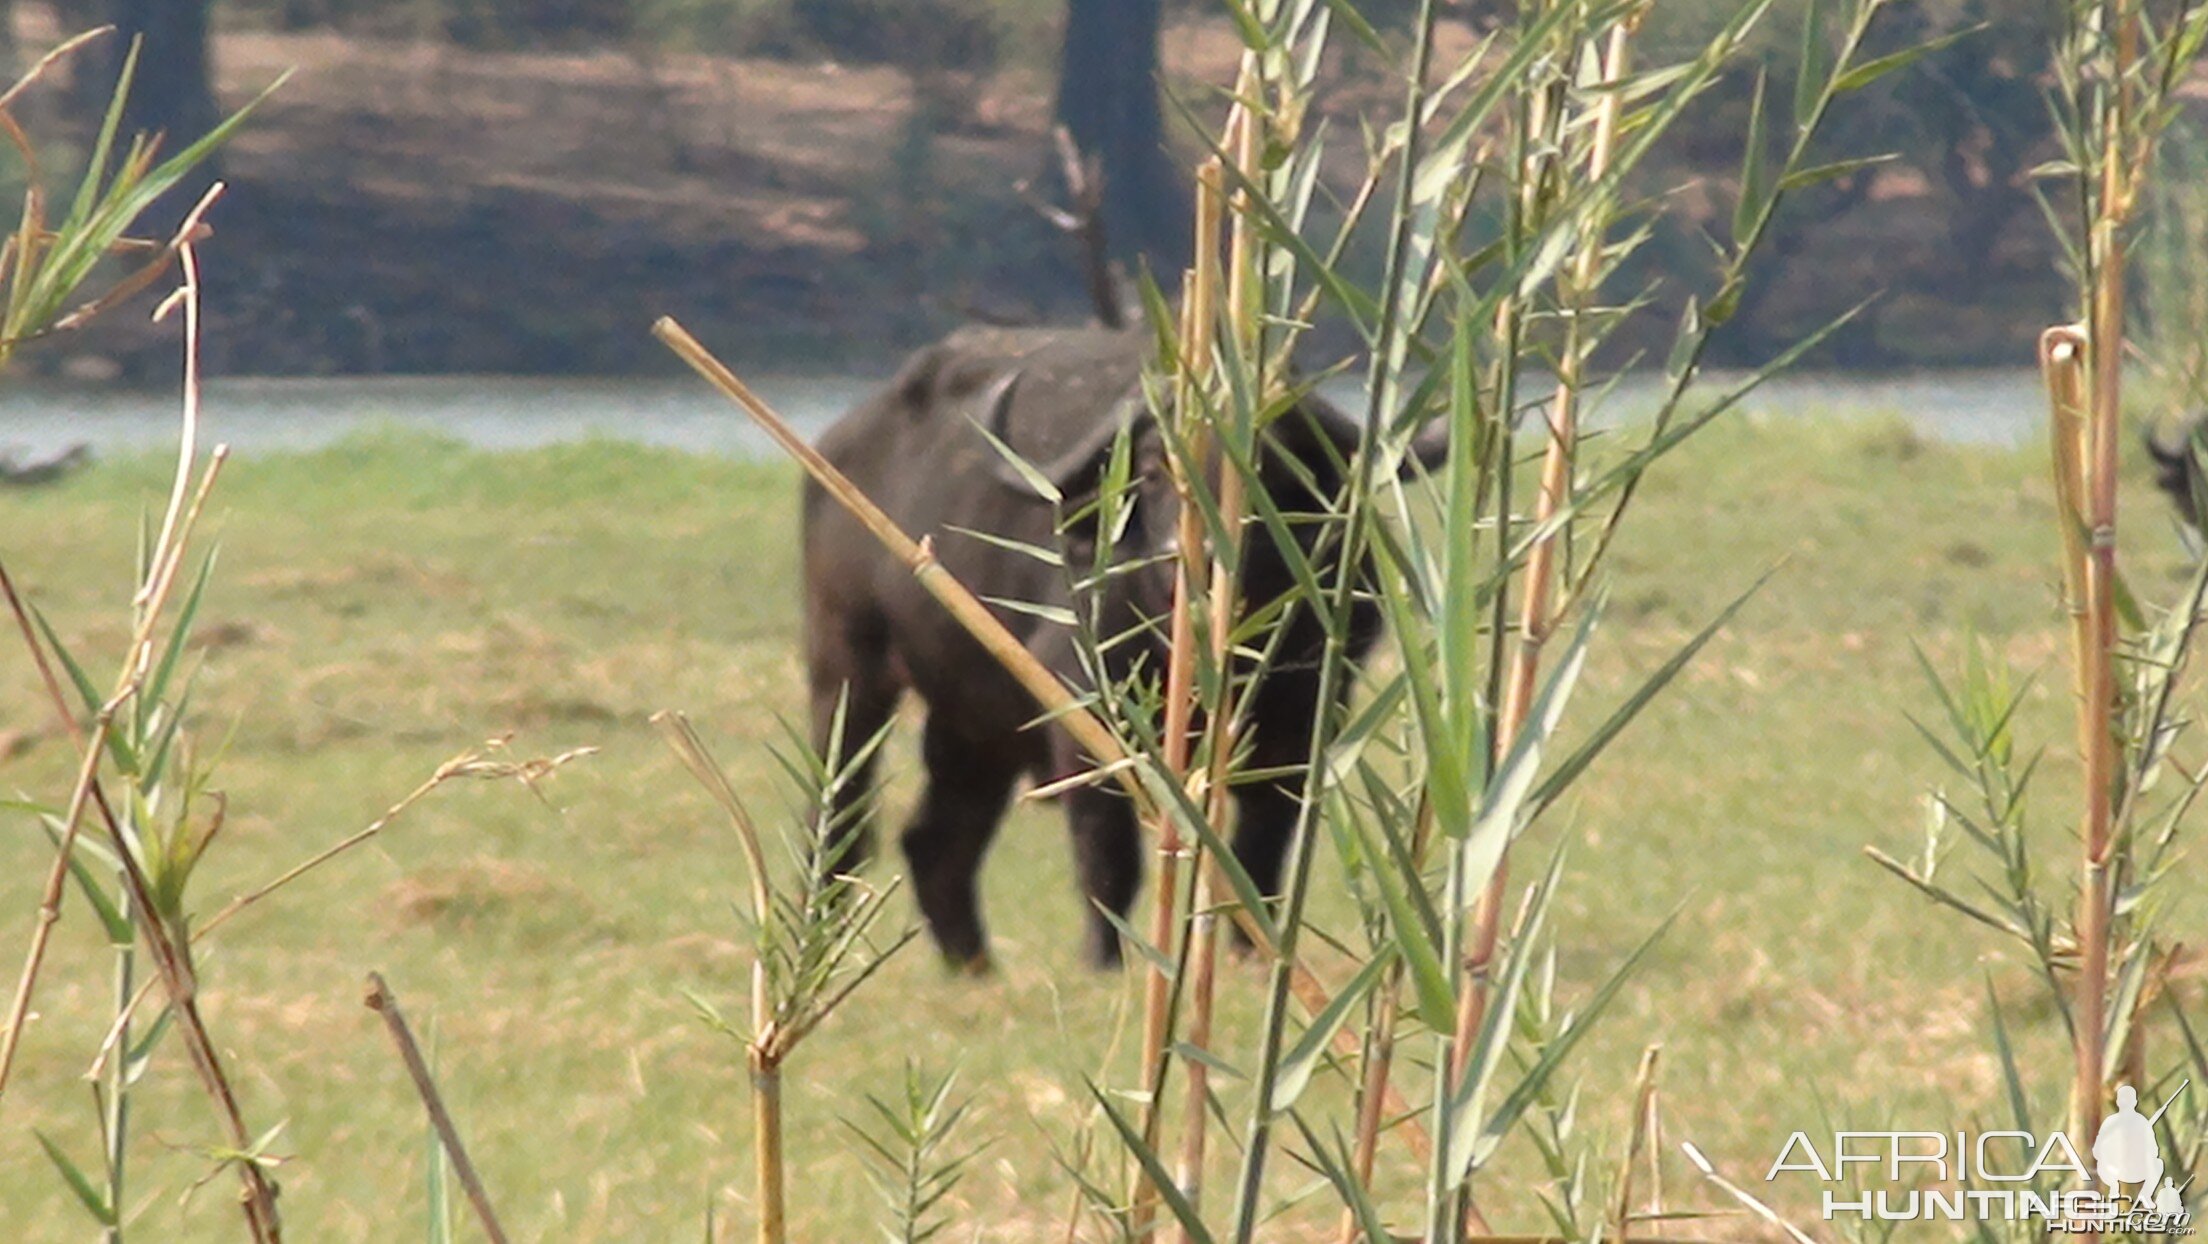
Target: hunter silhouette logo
column 2003, row 1176
column 2125, row 1152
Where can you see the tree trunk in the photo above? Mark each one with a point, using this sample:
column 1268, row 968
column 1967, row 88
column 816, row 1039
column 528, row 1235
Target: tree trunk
column 1108, row 101
column 172, row 94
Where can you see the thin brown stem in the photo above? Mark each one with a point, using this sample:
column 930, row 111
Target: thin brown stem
column 445, row 773
column 173, row 957
column 1198, row 311
column 86, row 787
column 2062, row 355
column 1379, row 1061
column 49, row 904
column 1638, row 1137
column 37, row 649
column 1537, row 616
column 383, row 1002
column 60, row 52
column 1203, row 954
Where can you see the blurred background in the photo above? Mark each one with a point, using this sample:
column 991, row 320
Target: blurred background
column 517, row 187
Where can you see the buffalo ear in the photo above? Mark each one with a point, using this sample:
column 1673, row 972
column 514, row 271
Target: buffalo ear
column 914, row 383
column 1074, row 471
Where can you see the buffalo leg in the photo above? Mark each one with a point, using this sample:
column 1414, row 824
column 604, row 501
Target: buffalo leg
column 1107, row 860
column 968, row 787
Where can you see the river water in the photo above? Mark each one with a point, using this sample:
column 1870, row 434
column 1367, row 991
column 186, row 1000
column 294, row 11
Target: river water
column 499, row 412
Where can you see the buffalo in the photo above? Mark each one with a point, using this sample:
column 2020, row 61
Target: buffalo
column 1061, row 400
column 2173, row 467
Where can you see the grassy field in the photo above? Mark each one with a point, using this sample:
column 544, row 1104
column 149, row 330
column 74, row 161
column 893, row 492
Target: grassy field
column 382, row 605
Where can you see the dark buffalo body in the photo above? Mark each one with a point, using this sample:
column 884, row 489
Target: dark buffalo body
column 2173, row 466
column 873, row 632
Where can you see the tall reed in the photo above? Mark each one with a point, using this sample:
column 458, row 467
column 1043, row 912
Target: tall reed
column 812, row 939
column 2102, row 952
column 162, row 823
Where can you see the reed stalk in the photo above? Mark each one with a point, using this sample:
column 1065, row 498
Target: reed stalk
column 2120, row 76
column 115, row 1110
column 1376, row 1065
column 148, row 604
column 768, row 1162
column 766, row 1043
column 163, row 930
column 2062, row 363
column 1639, row 1139
column 2099, row 708
column 81, row 792
column 1203, row 929
column 384, row 1003
column 1382, row 386
column 1199, row 311
column 169, row 950
column 171, row 954
column 812, row 947
column 1538, row 618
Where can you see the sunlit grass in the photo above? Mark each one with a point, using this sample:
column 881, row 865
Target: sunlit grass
column 384, row 603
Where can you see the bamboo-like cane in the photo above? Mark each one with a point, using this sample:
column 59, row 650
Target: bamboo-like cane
column 2062, row 365
column 1198, row 312
column 769, row 1163
column 1379, row 1060
column 1537, row 619
column 2105, row 349
column 383, row 1002
column 1203, row 929
column 768, row 1044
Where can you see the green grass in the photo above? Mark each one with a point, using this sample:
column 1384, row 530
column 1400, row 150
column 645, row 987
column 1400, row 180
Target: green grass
column 381, row 605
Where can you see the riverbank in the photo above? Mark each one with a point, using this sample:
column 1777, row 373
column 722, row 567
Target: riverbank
column 411, row 207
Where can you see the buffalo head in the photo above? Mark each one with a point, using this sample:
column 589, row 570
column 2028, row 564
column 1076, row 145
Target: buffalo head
column 1303, row 454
